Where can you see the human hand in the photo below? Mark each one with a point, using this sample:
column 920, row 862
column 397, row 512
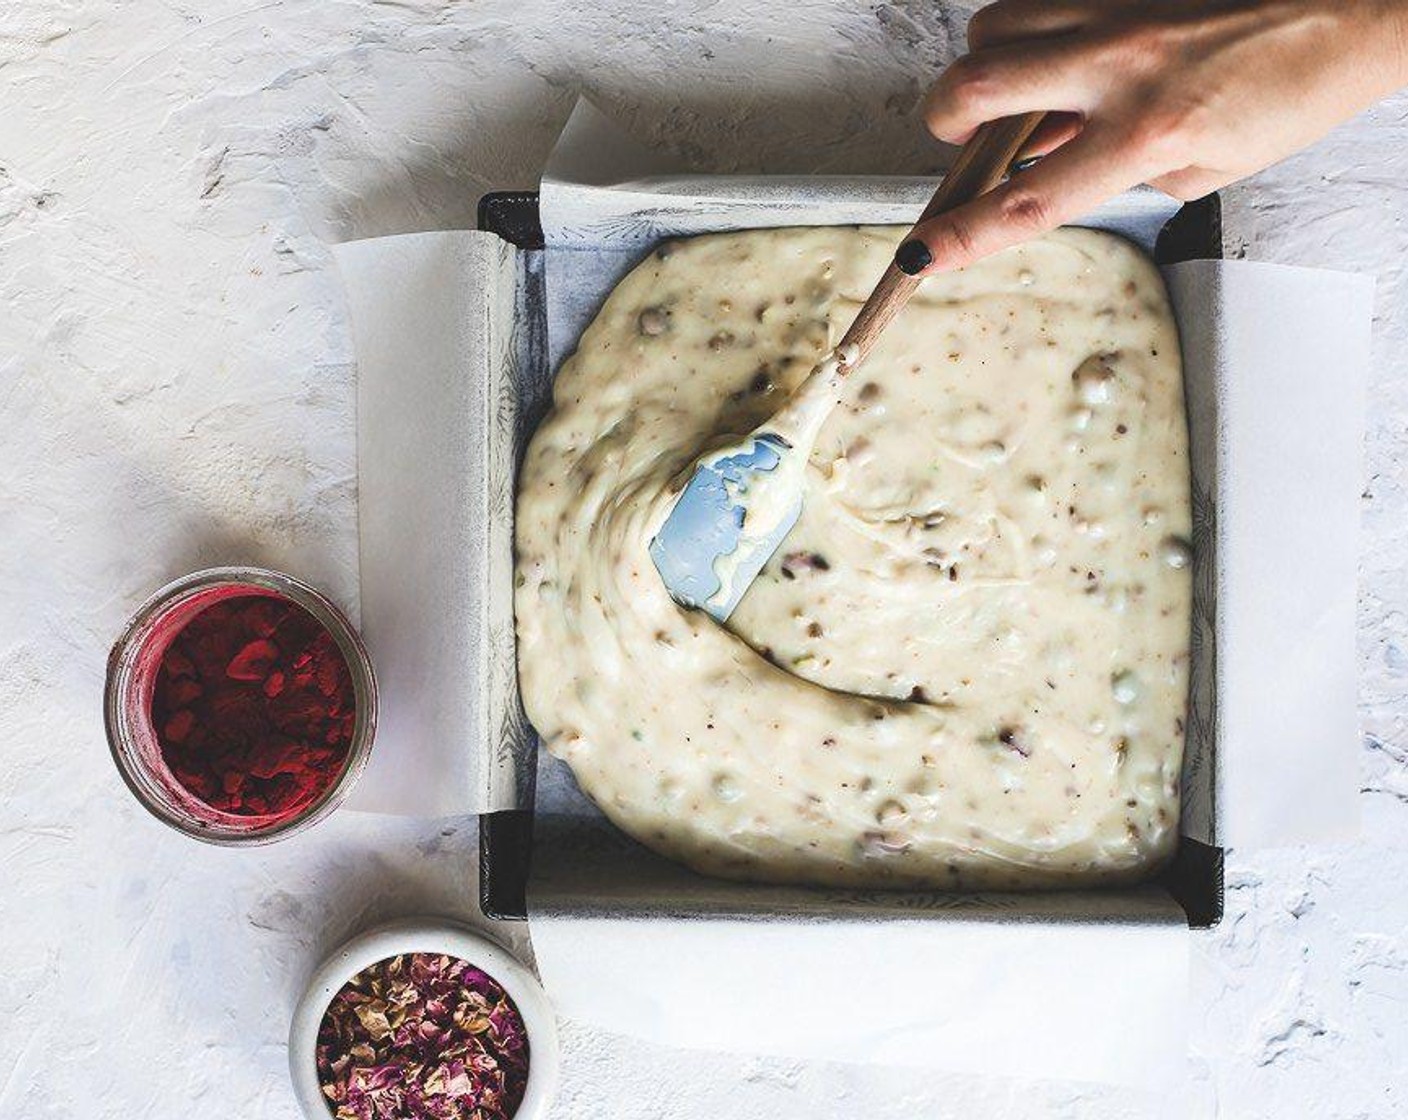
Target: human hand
column 1187, row 95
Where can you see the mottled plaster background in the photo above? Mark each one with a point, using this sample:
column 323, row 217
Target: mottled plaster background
column 176, row 390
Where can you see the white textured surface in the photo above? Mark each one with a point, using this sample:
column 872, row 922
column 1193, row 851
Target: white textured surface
column 175, row 383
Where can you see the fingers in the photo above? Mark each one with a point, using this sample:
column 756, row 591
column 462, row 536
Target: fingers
column 1054, row 130
column 1008, row 21
column 1066, row 184
column 1189, row 183
column 1057, row 74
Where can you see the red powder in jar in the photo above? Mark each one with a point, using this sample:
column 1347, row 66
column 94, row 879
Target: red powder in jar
column 253, row 706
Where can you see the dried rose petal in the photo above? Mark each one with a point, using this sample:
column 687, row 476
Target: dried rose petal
column 253, row 661
column 175, row 664
column 179, row 725
column 184, row 690
column 262, row 616
column 329, row 679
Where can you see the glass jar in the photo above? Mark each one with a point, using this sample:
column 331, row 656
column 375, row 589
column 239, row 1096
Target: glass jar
column 131, row 679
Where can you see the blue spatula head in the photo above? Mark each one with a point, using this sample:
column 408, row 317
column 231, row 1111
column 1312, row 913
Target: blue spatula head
column 727, row 523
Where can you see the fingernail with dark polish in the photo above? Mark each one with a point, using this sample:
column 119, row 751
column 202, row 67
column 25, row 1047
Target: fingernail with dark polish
column 913, row 257
column 1018, row 166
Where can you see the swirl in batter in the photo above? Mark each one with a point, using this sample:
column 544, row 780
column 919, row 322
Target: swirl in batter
column 967, row 664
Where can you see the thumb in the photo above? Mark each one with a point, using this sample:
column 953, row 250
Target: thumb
column 1070, row 182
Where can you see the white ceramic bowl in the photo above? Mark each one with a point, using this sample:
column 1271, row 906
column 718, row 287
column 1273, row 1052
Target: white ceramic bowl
column 425, row 935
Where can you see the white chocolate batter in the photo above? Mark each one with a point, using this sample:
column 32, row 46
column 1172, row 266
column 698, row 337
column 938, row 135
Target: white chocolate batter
column 967, row 664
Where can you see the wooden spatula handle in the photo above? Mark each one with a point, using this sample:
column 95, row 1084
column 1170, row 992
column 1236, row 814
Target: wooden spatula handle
column 980, row 166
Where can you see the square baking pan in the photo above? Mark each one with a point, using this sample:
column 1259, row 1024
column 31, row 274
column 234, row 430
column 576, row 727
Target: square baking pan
column 1193, row 878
